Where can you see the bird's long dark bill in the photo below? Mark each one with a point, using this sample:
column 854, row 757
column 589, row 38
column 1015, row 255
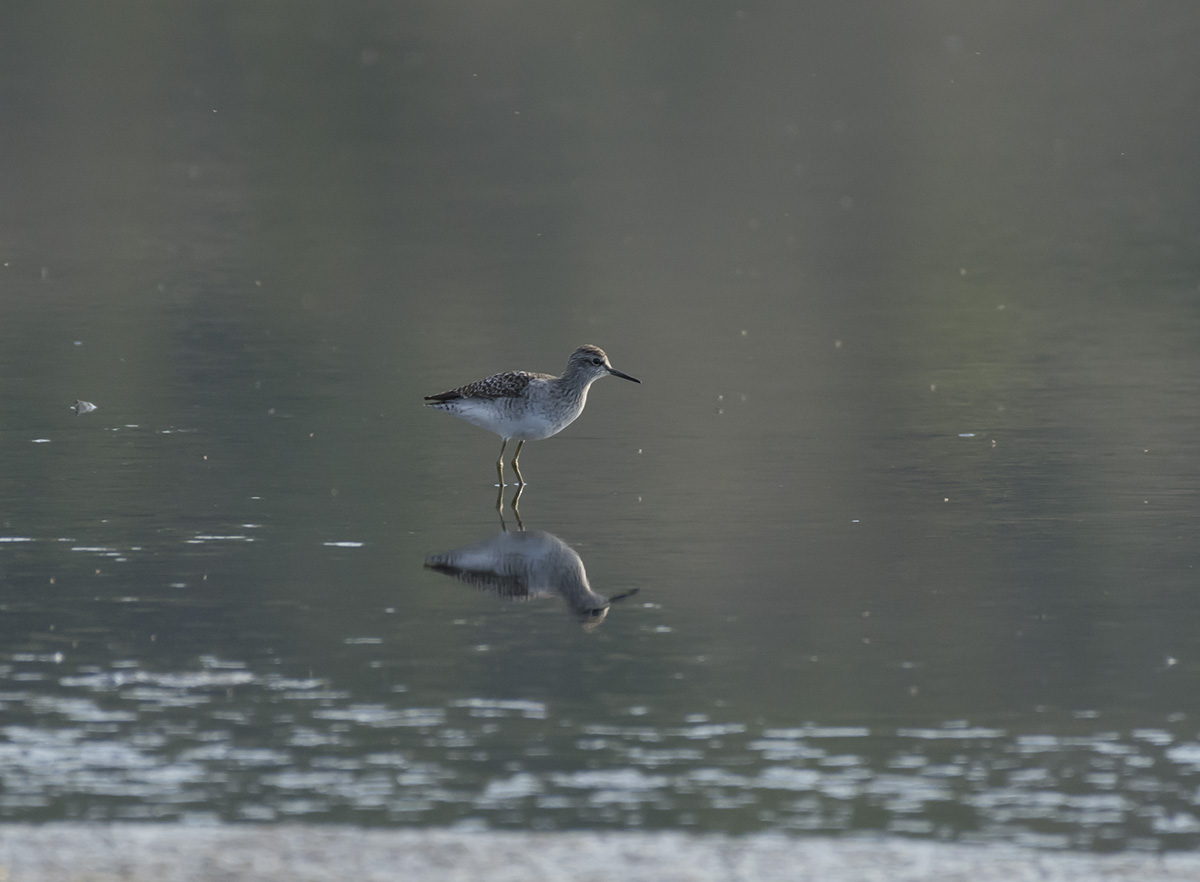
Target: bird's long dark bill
column 617, row 373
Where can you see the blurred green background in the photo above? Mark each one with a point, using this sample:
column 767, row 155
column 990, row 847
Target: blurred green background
column 913, row 293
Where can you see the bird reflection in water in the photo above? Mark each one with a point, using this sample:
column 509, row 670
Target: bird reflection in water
column 525, row 565
column 515, row 505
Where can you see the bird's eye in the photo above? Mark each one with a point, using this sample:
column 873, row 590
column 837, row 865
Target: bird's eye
column 597, row 361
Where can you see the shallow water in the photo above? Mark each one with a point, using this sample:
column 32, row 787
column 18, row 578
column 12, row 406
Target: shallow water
column 907, row 495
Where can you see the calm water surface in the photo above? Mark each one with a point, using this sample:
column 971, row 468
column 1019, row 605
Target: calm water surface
column 899, row 533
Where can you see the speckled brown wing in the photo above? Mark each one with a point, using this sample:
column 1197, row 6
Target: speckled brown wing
column 506, row 385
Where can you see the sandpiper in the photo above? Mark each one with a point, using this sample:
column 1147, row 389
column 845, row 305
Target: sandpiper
column 527, row 406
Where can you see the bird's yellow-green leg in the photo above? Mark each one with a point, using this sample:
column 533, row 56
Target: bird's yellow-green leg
column 516, row 468
column 500, row 463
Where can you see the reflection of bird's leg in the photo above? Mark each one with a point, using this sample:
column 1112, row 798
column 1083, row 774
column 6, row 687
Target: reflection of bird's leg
column 500, row 507
column 515, row 503
column 516, row 456
column 500, row 462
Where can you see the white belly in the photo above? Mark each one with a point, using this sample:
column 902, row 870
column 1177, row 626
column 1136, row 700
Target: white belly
column 511, row 419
